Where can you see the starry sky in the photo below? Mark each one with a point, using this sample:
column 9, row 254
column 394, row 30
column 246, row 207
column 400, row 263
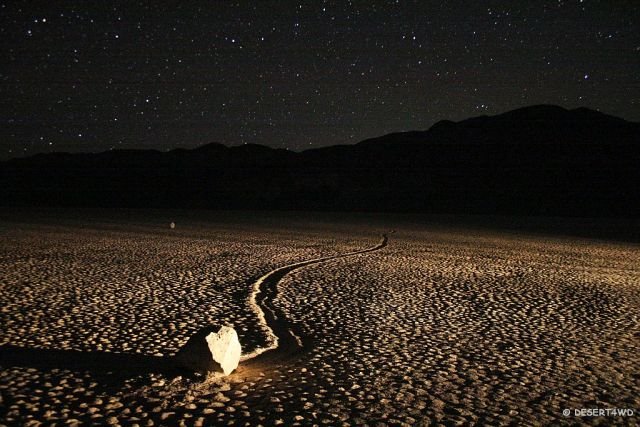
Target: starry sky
column 94, row 76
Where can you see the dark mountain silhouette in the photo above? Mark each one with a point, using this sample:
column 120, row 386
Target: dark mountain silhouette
column 534, row 160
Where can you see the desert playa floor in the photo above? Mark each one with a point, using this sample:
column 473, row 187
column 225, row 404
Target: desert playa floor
column 445, row 325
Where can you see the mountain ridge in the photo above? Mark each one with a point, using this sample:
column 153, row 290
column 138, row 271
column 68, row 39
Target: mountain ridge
column 534, row 160
column 412, row 134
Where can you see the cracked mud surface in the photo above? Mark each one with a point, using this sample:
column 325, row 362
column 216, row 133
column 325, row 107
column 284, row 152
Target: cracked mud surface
column 439, row 327
column 478, row 329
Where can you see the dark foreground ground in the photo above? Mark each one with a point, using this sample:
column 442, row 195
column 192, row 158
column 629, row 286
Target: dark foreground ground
column 456, row 321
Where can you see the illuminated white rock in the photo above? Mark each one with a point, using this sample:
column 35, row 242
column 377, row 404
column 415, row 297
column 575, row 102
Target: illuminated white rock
column 172, row 225
column 225, row 348
column 212, row 349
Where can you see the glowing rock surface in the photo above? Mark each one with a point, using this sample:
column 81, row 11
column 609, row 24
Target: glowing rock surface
column 211, row 349
column 225, row 348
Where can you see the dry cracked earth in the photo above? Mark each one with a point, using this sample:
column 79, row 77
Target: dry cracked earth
column 443, row 326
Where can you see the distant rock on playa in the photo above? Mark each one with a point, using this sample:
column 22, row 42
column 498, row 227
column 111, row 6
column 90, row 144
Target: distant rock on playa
column 211, row 349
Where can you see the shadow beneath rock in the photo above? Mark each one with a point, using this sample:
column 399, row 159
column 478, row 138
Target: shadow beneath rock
column 117, row 365
column 194, row 357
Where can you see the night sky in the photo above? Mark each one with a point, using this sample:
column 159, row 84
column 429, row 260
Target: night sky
column 94, row 76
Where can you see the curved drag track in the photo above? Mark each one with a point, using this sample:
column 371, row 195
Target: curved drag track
column 283, row 336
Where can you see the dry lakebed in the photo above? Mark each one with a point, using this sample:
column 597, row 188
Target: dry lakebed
column 360, row 320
